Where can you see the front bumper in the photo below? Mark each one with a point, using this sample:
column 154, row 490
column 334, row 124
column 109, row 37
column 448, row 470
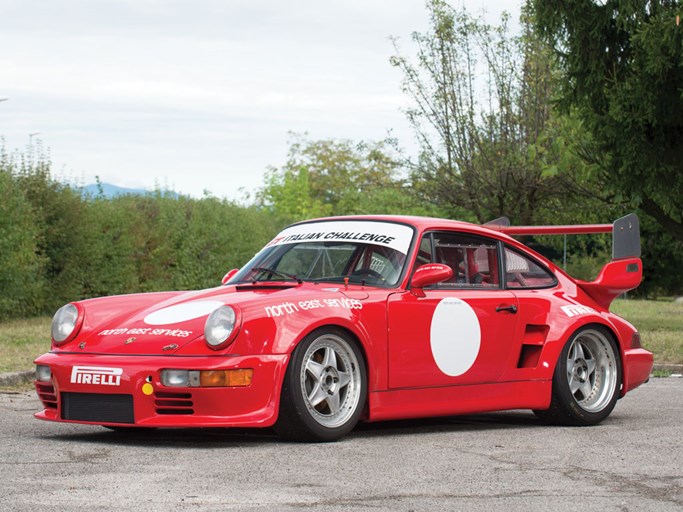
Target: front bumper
column 127, row 391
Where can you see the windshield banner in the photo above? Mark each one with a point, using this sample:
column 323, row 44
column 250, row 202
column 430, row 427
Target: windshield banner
column 389, row 234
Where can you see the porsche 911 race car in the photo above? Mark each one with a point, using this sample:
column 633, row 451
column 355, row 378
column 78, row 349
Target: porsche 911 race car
column 349, row 319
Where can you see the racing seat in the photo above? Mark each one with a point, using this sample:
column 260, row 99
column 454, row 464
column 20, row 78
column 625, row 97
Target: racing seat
column 453, row 257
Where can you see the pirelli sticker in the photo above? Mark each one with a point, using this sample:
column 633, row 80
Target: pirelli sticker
column 395, row 236
column 577, row 310
column 97, row 375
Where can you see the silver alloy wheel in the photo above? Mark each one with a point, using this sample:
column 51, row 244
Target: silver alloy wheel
column 330, row 380
column 592, row 370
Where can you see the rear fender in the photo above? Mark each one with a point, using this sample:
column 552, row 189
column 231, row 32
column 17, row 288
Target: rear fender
column 615, row 278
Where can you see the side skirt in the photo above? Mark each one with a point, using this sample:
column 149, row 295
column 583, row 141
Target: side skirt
column 453, row 400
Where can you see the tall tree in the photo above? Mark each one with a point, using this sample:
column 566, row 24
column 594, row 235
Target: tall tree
column 622, row 62
column 482, row 113
column 338, row 177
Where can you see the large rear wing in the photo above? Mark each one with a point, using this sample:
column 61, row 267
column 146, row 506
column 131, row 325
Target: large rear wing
column 623, row 273
column 625, row 233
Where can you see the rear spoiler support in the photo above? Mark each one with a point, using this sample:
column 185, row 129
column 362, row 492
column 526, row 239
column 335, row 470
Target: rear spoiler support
column 623, row 273
column 625, row 233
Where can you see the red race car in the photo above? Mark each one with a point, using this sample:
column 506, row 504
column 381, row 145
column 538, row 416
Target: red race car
column 357, row 318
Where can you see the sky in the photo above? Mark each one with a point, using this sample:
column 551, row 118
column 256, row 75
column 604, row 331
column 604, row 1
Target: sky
column 200, row 96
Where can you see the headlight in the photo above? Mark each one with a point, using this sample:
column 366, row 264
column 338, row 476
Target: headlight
column 66, row 323
column 221, row 327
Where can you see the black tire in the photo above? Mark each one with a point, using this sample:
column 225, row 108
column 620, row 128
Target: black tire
column 586, row 381
column 324, row 389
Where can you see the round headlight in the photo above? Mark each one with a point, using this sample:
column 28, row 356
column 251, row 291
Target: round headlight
column 220, row 326
column 64, row 323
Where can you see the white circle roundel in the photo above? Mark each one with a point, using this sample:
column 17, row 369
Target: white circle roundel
column 455, row 336
column 182, row 312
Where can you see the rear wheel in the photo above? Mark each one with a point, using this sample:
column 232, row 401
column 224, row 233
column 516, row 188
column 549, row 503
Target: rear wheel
column 586, row 381
column 324, row 389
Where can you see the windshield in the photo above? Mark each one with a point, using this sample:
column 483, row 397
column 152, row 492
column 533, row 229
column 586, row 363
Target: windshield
column 364, row 252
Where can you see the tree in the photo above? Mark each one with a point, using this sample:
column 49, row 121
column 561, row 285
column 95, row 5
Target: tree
column 486, row 141
column 622, row 66
column 338, row 177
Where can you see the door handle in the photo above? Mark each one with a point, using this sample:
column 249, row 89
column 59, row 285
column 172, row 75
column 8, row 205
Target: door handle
column 511, row 309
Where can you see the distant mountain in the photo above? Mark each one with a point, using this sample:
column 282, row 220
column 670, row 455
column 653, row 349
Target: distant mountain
column 110, row 191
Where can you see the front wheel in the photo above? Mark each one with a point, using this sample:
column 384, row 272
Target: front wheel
column 586, row 381
column 324, row 389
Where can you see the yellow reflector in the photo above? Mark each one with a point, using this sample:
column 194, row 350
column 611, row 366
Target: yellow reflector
column 225, row 378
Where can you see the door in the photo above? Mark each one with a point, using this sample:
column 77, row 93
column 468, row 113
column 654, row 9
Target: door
column 462, row 330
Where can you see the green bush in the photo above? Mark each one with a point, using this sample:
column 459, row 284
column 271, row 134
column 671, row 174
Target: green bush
column 57, row 246
column 22, row 282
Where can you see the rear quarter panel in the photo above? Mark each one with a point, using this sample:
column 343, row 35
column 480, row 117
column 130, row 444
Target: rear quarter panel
column 560, row 312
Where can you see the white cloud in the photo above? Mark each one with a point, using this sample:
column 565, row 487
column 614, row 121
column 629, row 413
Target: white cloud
column 199, row 95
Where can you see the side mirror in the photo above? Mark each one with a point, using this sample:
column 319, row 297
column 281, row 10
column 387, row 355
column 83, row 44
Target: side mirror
column 428, row 274
column 229, row 275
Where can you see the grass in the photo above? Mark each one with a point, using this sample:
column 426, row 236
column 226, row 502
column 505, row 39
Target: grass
column 662, row 373
column 660, row 324
column 21, row 341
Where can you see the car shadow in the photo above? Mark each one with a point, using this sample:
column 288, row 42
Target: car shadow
column 454, row 424
column 227, row 437
column 170, row 437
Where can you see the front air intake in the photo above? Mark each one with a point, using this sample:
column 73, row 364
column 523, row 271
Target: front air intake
column 173, row 403
column 98, row 408
column 47, row 395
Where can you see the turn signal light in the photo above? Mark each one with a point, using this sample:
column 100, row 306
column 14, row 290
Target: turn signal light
column 238, row 378
column 225, row 378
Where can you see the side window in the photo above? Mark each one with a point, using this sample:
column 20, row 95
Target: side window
column 474, row 260
column 522, row 272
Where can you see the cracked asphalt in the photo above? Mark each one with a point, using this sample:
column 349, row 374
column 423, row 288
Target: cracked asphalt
column 504, row 461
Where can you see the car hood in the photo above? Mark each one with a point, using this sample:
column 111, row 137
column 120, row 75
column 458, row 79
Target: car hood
column 164, row 323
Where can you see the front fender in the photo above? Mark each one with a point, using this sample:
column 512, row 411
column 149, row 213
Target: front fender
column 279, row 328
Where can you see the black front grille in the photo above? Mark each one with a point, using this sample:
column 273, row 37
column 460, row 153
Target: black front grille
column 97, row 408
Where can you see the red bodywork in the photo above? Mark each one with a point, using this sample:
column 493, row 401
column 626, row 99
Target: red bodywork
column 522, row 331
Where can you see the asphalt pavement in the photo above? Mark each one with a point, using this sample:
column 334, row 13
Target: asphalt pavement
column 505, row 461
